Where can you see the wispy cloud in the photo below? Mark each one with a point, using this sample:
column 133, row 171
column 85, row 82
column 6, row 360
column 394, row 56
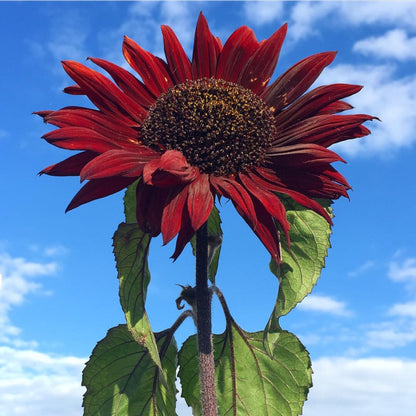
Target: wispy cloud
column 384, row 95
column 366, row 266
column 18, row 280
column 324, row 304
column 394, row 44
column 262, row 12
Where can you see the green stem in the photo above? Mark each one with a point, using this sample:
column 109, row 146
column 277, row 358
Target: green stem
column 203, row 324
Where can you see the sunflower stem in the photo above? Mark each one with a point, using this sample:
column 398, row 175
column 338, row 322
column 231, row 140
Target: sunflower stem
column 203, row 324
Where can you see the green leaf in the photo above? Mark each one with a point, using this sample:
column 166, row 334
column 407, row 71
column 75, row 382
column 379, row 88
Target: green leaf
column 249, row 381
column 303, row 261
column 131, row 249
column 122, row 379
column 130, row 203
column 214, row 241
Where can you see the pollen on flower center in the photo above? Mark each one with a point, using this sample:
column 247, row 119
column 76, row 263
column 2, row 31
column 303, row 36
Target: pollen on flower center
column 220, row 127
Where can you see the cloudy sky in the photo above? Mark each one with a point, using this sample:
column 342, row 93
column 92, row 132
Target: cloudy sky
column 58, row 288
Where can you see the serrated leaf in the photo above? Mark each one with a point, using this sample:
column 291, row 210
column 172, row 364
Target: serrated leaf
column 131, row 249
column 122, row 379
column 249, row 381
column 303, row 261
column 214, row 235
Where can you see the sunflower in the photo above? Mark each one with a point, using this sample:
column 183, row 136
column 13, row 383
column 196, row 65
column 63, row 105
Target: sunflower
column 193, row 131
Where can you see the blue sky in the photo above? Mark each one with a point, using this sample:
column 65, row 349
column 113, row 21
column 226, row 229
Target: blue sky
column 59, row 293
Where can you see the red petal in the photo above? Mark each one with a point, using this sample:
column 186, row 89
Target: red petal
column 296, row 80
column 171, row 169
column 149, row 208
column 179, row 64
column 200, row 201
column 185, row 234
column 71, row 166
column 325, row 130
column 231, row 189
column 173, row 213
column 103, row 93
column 127, row 82
column 259, row 69
column 269, row 200
column 118, row 163
column 151, row 69
column 336, row 107
column 114, row 130
column 206, row 51
column 237, row 50
column 302, row 155
column 315, row 100
column 98, row 188
column 74, row 90
column 79, row 138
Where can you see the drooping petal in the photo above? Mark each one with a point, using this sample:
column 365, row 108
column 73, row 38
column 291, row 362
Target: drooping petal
column 71, row 166
column 171, row 169
column 296, row 80
column 314, row 101
column 99, row 188
column 179, row 63
column 173, row 213
column 118, row 163
column 206, row 50
column 127, row 82
column 237, row 50
column 151, row 69
column 270, row 202
column 259, row 69
column 231, row 189
column 200, row 201
column 103, row 93
column 185, row 234
column 149, row 208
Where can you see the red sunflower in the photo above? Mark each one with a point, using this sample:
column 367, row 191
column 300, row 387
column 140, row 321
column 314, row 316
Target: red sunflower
column 193, row 131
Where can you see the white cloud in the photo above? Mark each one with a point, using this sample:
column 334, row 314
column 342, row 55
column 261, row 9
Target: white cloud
column 361, row 387
column 404, row 272
column 394, row 44
column 18, row 280
column 306, row 15
column 324, row 304
column 36, row 384
column 407, row 309
column 391, row 99
column 390, row 334
column 262, row 12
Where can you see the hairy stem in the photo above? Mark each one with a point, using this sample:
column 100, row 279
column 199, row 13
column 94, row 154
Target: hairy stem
column 203, row 323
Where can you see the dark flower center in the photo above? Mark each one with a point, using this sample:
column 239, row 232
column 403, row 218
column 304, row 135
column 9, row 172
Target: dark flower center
column 220, row 127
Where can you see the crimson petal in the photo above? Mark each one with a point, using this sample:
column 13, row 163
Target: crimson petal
column 200, row 201
column 103, row 93
column 206, row 50
column 79, row 138
column 98, row 188
column 259, row 69
column 296, row 80
column 172, row 214
column 151, row 69
column 232, row 190
column 313, row 101
column 127, row 82
column 179, row 64
column 170, row 169
column 237, row 50
column 71, row 166
column 118, row 163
